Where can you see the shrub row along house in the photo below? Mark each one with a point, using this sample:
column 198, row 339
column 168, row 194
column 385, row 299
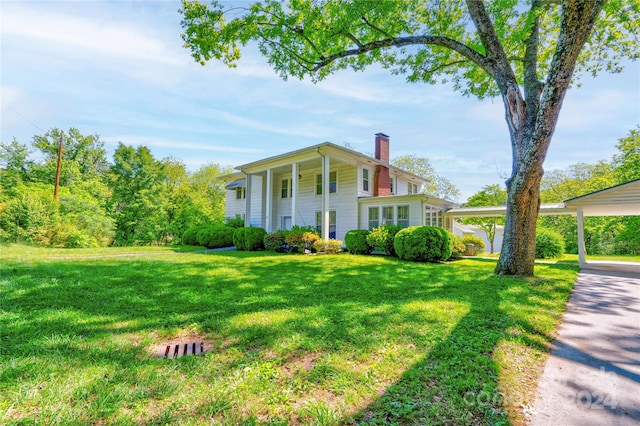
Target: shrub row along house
column 332, row 188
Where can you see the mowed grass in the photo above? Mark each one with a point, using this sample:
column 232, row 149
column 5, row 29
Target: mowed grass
column 335, row 339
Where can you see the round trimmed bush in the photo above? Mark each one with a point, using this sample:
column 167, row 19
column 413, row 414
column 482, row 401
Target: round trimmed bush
column 356, row 242
column 458, row 248
column 548, row 244
column 249, row 239
column 478, row 243
column 216, row 236
column 423, row 244
column 190, row 236
column 238, row 238
column 254, row 239
column 382, row 237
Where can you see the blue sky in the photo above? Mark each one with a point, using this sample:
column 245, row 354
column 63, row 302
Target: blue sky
column 118, row 69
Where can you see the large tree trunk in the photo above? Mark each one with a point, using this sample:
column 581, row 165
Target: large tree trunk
column 531, row 125
column 519, row 245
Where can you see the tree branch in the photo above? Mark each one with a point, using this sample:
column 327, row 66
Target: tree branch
column 353, row 38
column 491, row 43
column 445, row 65
column 532, row 86
column 462, row 49
column 384, row 33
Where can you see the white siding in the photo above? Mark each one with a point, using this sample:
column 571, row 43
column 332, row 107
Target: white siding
column 233, row 206
column 345, row 201
column 282, row 206
column 415, row 213
column 361, row 192
column 257, row 206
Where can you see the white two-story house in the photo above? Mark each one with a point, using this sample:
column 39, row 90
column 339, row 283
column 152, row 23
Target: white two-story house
column 332, row 188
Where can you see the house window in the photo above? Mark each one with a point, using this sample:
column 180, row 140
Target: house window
column 332, row 223
column 403, row 216
column 412, row 188
column 333, row 183
column 374, row 217
column 241, row 193
column 365, row 180
column 286, row 189
column 387, row 215
column 391, row 182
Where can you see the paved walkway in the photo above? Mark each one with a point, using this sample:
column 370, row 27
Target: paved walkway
column 592, row 376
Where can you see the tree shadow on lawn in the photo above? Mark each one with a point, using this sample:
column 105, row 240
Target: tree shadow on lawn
column 70, row 312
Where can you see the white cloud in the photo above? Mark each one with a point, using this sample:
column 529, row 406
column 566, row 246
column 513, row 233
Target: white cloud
column 71, row 33
column 169, row 143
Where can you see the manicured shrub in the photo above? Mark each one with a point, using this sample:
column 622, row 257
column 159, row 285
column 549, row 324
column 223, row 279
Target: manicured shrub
column 382, row 238
column 301, row 238
column 275, row 241
column 190, row 236
column 356, row 242
column 329, row 245
column 478, row 243
column 238, row 238
column 458, row 248
column 549, row 244
column 254, row 239
column 202, row 236
column 423, row 244
column 216, row 236
column 250, row 239
column 234, row 222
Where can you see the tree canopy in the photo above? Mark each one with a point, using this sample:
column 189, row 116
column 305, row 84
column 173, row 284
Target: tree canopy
column 137, row 199
column 528, row 53
column 436, row 185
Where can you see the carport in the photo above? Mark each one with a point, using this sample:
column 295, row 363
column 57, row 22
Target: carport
column 619, row 200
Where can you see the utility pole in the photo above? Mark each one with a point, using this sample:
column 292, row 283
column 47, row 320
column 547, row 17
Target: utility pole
column 55, row 190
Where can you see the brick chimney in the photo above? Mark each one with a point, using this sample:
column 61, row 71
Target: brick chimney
column 381, row 178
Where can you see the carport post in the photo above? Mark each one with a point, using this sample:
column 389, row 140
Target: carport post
column 581, row 248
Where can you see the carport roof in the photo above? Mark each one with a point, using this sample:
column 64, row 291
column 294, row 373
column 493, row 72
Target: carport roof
column 618, row 200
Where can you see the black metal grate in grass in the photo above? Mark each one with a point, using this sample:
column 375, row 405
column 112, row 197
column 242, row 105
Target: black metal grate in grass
column 178, row 350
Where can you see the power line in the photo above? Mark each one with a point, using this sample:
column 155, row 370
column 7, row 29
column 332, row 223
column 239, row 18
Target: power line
column 23, row 117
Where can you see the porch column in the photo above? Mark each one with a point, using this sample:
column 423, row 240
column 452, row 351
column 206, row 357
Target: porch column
column 294, row 192
column 247, row 201
column 581, row 247
column 268, row 202
column 325, row 197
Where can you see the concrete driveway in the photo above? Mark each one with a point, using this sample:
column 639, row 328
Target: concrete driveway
column 592, row 376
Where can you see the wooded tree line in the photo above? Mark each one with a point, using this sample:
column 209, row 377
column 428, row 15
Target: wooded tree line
column 135, row 199
column 603, row 235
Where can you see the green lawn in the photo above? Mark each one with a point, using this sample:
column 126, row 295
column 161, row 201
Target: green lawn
column 290, row 339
